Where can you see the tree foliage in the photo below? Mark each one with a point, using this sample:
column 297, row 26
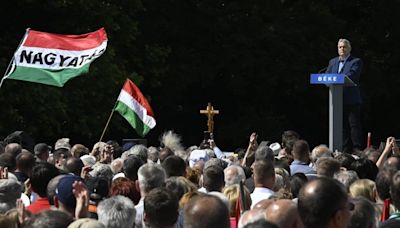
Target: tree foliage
column 251, row 59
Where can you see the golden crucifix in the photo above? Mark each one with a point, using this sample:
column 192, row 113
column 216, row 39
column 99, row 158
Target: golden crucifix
column 210, row 112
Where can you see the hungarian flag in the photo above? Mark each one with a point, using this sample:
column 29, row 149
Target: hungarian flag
column 134, row 107
column 53, row 59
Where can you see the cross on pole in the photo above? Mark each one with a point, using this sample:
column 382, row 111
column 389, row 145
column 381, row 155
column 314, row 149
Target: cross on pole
column 210, row 112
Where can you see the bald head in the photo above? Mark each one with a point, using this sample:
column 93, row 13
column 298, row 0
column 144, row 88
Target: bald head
column 206, row 211
column 264, row 204
column 321, row 200
column 284, row 213
column 13, row 148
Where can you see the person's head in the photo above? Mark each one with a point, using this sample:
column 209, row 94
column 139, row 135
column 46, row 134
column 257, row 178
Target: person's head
column 264, row 174
column 66, row 200
column 363, row 188
column 323, row 202
column 98, row 188
column 160, row 208
column 363, row 215
column 301, row 151
column 116, row 212
column 365, row 168
column 51, row 188
column 7, row 160
column 206, row 211
column 264, row 153
column 42, row 173
column 319, row 152
column 289, row 137
column 86, row 223
column 392, row 162
column 125, row 187
column 152, row 154
column 102, row 171
column 10, row 191
column 395, row 190
column 42, row 151
column 60, row 156
column 344, row 48
column 140, row 151
column 232, row 192
column 62, row 143
column 297, row 181
column 79, row 150
column 213, row 178
column 216, row 162
column 13, row 148
column 49, row 219
column 327, row 166
column 250, row 217
column 150, row 176
column 345, row 159
column 346, row 177
column 383, row 181
column 117, row 165
column 179, row 186
column 284, row 213
column 131, row 166
column 74, row 165
column 233, row 175
column 24, row 162
column 174, row 166
column 372, row 154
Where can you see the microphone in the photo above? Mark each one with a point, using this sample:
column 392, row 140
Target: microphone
column 322, row 70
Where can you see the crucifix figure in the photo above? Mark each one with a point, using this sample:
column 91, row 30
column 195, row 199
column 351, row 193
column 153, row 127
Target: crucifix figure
column 210, row 112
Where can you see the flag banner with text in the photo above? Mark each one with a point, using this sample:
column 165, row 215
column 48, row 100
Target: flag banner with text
column 53, row 59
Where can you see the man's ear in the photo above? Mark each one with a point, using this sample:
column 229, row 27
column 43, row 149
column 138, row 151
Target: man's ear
column 56, row 202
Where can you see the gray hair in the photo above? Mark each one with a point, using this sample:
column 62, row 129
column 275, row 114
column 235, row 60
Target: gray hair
column 239, row 175
column 152, row 154
column 345, row 41
column 10, row 191
column 251, row 216
column 216, row 162
column 102, row 170
column 346, row 177
column 319, row 152
column 151, row 176
column 116, row 212
column 138, row 150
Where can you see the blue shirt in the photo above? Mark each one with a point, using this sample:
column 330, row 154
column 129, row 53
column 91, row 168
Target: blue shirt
column 300, row 167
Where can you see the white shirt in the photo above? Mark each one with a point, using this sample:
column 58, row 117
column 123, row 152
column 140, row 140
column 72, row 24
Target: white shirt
column 260, row 193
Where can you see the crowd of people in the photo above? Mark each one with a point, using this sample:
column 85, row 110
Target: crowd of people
column 283, row 184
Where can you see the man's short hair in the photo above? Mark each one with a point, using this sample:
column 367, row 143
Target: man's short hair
column 383, row 181
column 41, row 148
column 161, row 208
column 131, row 166
column 346, row 177
column 363, row 215
column 206, row 211
column 41, row 175
column 263, row 170
column 174, row 166
column 327, row 166
column 150, row 176
column 213, row 178
column 319, row 206
column 300, row 148
column 264, row 153
column 116, row 212
column 49, row 219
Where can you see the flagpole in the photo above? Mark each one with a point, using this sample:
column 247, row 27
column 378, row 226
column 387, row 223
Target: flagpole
column 108, row 121
column 12, row 59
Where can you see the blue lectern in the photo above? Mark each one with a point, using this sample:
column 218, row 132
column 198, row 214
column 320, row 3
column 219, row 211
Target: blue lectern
column 335, row 82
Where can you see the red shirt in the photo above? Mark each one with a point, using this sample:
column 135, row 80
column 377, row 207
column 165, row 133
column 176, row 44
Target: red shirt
column 39, row 205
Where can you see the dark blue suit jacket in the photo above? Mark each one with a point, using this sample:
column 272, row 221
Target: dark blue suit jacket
column 352, row 69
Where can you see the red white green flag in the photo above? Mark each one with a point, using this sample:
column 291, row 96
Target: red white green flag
column 53, row 59
column 134, row 107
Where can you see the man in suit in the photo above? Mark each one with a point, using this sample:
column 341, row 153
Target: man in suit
column 351, row 66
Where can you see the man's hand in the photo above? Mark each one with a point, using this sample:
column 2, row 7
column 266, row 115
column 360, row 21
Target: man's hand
column 81, row 194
